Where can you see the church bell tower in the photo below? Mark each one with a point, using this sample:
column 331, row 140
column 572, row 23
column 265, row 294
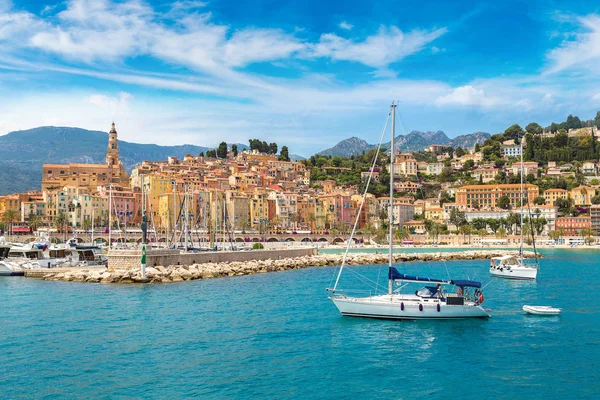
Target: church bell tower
column 112, row 153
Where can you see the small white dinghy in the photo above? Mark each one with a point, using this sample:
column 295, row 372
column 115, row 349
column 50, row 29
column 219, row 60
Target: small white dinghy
column 541, row 310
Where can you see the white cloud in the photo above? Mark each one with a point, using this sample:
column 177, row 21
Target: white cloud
column 387, row 46
column 346, row 26
column 582, row 51
column 187, row 5
column 111, row 103
column 467, row 96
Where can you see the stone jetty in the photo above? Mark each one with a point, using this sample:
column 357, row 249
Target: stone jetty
column 179, row 273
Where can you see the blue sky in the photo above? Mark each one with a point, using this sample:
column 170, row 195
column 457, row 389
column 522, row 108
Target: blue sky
column 302, row 73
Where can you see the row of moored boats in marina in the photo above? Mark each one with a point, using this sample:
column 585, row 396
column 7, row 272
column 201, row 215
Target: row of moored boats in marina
column 16, row 258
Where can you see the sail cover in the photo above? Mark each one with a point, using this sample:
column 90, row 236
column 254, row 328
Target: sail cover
column 394, row 274
column 466, row 283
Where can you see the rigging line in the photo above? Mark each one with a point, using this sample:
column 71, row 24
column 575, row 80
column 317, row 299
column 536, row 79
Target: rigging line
column 362, row 202
column 373, row 284
column 447, row 272
column 537, row 263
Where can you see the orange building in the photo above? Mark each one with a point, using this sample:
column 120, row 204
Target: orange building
column 573, row 225
column 485, row 196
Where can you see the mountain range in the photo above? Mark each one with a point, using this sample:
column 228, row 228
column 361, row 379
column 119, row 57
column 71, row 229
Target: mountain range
column 414, row 141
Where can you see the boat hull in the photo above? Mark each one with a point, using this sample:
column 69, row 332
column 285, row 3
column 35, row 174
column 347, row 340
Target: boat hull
column 515, row 272
column 10, row 270
column 537, row 310
column 397, row 308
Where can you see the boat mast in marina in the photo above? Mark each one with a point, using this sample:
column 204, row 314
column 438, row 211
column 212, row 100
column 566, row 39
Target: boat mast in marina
column 391, row 204
column 429, row 302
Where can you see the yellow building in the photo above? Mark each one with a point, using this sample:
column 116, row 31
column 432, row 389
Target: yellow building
column 582, row 195
column 551, row 195
column 434, row 214
column 485, row 175
column 259, row 210
column 153, row 186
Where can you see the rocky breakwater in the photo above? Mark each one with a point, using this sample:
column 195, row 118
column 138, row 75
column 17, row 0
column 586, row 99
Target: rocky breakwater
column 178, row 273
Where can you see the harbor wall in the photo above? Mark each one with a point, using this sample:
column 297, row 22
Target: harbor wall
column 127, row 259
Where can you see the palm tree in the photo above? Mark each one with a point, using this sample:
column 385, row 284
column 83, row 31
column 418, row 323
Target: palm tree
column 10, row 216
column 433, row 229
column 401, row 234
column 587, row 234
column 466, row 230
column 34, row 221
column 293, row 217
column 561, row 232
column 86, row 224
column 59, row 221
column 311, row 219
column 501, row 233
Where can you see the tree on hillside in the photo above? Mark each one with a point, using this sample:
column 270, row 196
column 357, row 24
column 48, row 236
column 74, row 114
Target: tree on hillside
column 479, row 223
column 222, row 150
column 234, row 149
column 468, row 165
column 477, row 147
column 564, row 206
column 457, row 218
column 494, row 224
column 561, row 139
column 503, row 202
column 540, row 201
column 529, row 149
column 211, row 153
column 597, row 120
column 284, row 155
column 514, row 132
column 273, row 148
column 534, row 128
column 596, row 199
column 459, row 152
column 573, row 122
column 445, row 197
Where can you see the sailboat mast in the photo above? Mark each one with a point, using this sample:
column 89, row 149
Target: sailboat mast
column 521, row 197
column 187, row 214
column 391, row 203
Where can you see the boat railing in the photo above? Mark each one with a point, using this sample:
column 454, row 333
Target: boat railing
column 351, row 292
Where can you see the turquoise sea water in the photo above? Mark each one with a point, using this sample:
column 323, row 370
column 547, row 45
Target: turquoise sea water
column 277, row 335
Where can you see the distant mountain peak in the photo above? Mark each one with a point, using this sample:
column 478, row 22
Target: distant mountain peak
column 347, row 148
column 414, row 141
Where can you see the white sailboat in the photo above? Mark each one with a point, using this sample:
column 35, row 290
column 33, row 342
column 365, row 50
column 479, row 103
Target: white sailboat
column 514, row 267
column 432, row 301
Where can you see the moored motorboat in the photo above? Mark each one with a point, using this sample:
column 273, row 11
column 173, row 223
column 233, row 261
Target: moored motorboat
column 541, row 310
